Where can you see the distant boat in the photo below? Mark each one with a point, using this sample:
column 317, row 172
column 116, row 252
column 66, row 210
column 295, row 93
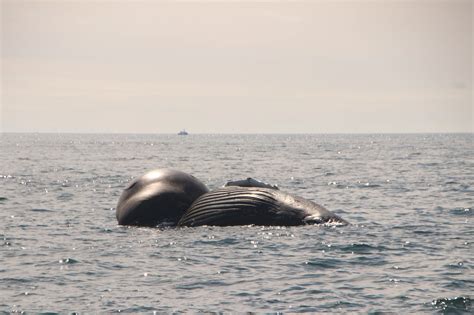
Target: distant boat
column 183, row 133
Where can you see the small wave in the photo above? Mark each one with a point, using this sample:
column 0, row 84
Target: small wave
column 338, row 185
column 457, row 265
column 459, row 303
column 3, row 199
column 15, row 280
column 41, row 210
column 362, row 248
column 429, row 164
column 223, row 242
column 425, row 232
column 294, row 288
column 324, row 263
column 451, row 182
column 462, row 211
column 137, row 309
column 26, row 293
column 368, row 185
column 368, row 261
column 65, row 196
column 68, row 261
column 111, row 266
column 200, row 285
column 340, row 305
column 459, row 284
column 244, row 294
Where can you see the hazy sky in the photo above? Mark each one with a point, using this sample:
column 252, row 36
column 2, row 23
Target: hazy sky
column 237, row 66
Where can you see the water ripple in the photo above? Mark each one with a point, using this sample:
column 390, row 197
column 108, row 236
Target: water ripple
column 41, row 210
column 462, row 211
column 408, row 250
column 453, row 305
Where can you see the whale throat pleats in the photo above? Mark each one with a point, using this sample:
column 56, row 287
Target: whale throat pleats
column 231, row 206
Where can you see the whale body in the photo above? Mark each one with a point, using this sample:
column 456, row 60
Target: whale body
column 234, row 205
column 250, row 182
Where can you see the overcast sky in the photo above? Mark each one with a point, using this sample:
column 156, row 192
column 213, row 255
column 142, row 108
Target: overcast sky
column 237, row 66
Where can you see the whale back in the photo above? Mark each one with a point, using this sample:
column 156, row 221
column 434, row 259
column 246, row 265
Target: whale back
column 250, row 182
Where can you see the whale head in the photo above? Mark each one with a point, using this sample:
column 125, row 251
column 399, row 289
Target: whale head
column 161, row 195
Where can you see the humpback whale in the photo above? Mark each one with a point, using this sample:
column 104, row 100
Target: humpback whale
column 172, row 197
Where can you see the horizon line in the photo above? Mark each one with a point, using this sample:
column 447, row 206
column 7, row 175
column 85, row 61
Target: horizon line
column 238, row 133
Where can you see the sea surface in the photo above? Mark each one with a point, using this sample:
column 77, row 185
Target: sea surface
column 409, row 248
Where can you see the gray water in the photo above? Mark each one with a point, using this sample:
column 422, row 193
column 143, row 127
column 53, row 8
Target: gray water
column 409, row 248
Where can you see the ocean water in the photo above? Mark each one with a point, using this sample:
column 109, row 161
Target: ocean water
column 409, row 248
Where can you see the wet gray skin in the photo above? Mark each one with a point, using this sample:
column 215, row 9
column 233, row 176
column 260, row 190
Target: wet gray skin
column 236, row 205
column 159, row 196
